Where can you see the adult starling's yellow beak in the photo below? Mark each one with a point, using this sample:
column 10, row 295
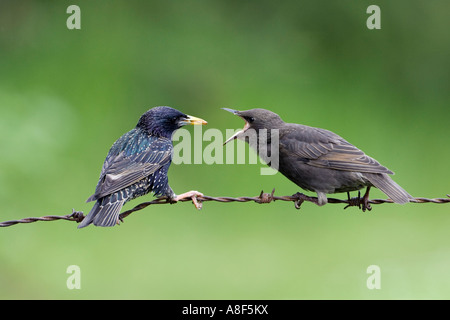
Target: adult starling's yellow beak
column 191, row 120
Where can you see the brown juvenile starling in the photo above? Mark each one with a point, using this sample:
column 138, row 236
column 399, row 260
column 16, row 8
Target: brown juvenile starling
column 137, row 164
column 319, row 160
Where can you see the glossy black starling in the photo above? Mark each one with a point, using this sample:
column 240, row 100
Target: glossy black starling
column 137, row 164
column 319, row 160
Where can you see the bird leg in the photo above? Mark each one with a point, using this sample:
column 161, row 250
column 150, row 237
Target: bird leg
column 190, row 194
column 365, row 203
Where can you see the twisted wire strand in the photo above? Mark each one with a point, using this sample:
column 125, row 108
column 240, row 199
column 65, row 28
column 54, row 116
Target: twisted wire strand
column 298, row 199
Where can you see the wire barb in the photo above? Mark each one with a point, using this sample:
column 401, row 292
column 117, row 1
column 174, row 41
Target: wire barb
column 198, row 200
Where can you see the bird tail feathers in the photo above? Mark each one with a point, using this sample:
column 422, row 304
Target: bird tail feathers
column 103, row 214
column 383, row 182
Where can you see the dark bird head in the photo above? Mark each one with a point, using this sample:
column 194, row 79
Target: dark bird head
column 163, row 121
column 256, row 119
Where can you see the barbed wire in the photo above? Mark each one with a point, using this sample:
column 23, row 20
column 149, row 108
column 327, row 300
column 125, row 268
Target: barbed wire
column 198, row 200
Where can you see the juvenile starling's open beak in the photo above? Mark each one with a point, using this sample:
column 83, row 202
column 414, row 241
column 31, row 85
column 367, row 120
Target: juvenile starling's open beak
column 236, row 135
column 236, row 112
column 190, row 120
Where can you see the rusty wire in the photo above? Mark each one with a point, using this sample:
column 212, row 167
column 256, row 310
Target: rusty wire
column 297, row 198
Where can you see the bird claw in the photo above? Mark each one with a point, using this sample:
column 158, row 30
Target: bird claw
column 302, row 198
column 366, row 205
column 198, row 204
column 78, row 216
column 298, row 204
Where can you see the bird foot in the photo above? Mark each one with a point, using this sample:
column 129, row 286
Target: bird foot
column 190, row 195
column 361, row 203
column 365, row 203
column 78, row 216
column 302, row 198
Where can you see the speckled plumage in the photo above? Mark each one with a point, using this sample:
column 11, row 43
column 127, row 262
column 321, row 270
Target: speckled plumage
column 136, row 165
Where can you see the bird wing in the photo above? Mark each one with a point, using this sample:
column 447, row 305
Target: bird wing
column 124, row 166
column 325, row 149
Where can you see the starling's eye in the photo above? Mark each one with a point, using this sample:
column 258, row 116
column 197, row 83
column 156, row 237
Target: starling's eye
column 250, row 119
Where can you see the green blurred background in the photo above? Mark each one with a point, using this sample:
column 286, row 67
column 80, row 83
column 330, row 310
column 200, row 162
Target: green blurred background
column 67, row 95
